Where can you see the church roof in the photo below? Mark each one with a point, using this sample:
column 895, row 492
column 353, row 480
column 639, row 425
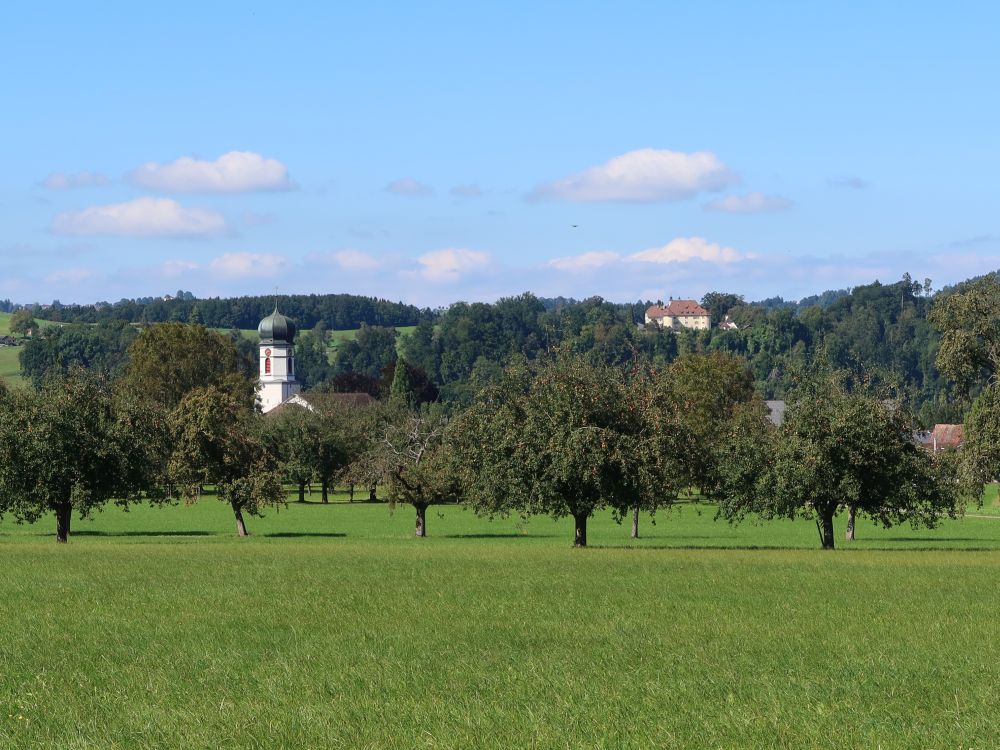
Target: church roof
column 276, row 328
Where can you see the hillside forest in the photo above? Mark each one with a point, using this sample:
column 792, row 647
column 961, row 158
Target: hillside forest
column 880, row 333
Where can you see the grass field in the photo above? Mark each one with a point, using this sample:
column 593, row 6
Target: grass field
column 331, row 627
column 10, row 366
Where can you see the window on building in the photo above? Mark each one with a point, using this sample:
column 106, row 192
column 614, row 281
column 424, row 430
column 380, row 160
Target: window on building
column 267, row 365
column 291, row 366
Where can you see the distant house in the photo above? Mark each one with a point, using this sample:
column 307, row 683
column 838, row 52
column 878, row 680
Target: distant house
column 8, row 341
column 727, row 324
column 680, row 313
column 942, row 438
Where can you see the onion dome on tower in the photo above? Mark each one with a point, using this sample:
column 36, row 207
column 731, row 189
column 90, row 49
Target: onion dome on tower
column 276, row 382
column 276, row 328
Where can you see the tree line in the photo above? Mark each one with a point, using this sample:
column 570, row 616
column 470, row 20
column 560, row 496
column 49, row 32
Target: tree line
column 338, row 311
column 881, row 330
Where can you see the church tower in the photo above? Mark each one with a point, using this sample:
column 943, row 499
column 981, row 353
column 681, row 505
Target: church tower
column 277, row 361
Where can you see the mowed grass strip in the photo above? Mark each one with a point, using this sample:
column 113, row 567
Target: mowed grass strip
column 159, row 629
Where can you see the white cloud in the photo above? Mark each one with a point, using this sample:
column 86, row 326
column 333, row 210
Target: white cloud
column 355, row 260
column 467, row 191
column 585, row 261
column 142, row 217
column 750, row 203
column 69, row 276
column 685, row 249
column 408, row 186
column 65, row 181
column 234, row 172
column 451, row 263
column 249, row 264
column 644, row 176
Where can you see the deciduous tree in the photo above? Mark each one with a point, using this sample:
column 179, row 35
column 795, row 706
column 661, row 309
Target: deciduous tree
column 72, row 446
column 835, row 450
column 217, row 441
column 562, row 439
column 169, row 360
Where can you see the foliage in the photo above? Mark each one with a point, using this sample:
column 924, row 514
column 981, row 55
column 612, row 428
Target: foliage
column 55, row 350
column 311, row 364
column 410, row 386
column 23, row 321
column 169, row 360
column 337, row 311
column 368, row 353
column 978, row 460
column 969, row 321
column 217, row 441
column 705, row 389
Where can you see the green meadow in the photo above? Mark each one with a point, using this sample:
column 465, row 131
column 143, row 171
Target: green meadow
column 10, row 365
column 332, row 627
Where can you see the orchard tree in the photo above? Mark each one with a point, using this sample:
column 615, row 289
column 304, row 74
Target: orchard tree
column 703, row 391
column 293, row 433
column 835, row 450
column 978, row 460
column 408, row 450
column 169, row 360
column 72, row 446
column 969, row 321
column 562, row 439
column 217, row 440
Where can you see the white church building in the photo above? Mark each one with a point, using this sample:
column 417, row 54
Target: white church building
column 276, row 380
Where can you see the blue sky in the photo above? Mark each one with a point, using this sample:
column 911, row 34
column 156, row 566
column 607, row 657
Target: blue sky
column 441, row 151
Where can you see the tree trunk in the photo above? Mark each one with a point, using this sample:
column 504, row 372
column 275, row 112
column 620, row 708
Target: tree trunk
column 326, row 491
column 241, row 526
column 580, row 539
column 352, row 491
column 826, row 530
column 64, row 514
column 635, row 522
column 373, row 494
column 851, row 513
column 302, row 492
column 421, row 520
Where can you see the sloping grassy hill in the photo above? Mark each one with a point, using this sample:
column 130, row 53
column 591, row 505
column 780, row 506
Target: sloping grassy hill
column 10, row 367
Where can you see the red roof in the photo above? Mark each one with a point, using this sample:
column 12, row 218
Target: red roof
column 947, row 436
column 677, row 308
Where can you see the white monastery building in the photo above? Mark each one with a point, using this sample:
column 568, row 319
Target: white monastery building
column 680, row 313
column 277, row 381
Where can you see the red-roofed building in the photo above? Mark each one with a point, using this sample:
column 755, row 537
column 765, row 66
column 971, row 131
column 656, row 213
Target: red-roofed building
column 942, row 438
column 680, row 313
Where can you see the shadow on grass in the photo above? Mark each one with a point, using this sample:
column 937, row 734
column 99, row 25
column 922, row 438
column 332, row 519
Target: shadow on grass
column 789, row 548
column 91, row 532
column 924, row 539
column 297, row 534
column 499, row 535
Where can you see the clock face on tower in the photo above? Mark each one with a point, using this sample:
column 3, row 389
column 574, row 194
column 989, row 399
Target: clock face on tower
column 267, row 352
